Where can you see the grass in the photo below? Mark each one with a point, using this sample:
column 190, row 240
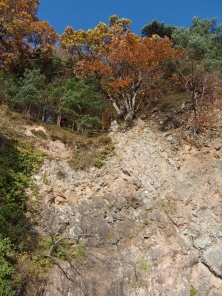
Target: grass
column 39, row 134
column 193, row 291
column 91, row 152
column 87, row 152
column 143, row 264
column 167, row 206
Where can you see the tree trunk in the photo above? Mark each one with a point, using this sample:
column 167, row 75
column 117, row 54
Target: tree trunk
column 73, row 125
column 130, row 116
column 59, row 118
column 120, row 114
column 43, row 114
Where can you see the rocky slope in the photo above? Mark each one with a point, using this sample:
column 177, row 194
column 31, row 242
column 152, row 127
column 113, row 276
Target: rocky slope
column 149, row 220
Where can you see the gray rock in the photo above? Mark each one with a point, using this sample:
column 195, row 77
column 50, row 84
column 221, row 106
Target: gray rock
column 213, row 259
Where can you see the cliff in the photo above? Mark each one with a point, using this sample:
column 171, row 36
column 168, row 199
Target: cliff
column 148, row 222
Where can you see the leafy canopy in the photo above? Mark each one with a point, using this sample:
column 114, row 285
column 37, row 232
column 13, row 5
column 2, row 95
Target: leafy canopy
column 23, row 32
column 27, row 92
column 157, row 28
column 85, row 45
column 202, row 40
column 129, row 66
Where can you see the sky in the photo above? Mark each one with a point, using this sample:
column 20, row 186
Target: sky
column 86, row 14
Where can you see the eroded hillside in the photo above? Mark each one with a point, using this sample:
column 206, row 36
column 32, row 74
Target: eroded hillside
column 148, row 222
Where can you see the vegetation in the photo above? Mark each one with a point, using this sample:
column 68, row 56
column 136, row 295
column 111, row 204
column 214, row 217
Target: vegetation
column 157, row 28
column 72, row 84
column 199, row 69
column 23, row 34
column 91, row 152
column 127, row 66
column 105, row 70
column 17, row 162
column 193, row 291
column 143, row 264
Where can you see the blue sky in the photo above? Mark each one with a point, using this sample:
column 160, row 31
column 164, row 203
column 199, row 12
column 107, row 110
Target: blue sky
column 88, row 13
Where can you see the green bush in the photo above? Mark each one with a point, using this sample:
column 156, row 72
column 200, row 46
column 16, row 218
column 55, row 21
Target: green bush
column 17, row 162
column 193, row 291
column 97, row 162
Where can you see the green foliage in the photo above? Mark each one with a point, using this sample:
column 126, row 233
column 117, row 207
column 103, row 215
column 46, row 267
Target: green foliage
column 193, row 291
column 97, row 162
column 49, row 65
column 203, row 40
column 87, row 122
column 92, row 152
column 142, row 262
column 76, row 100
column 199, row 68
column 62, row 248
column 39, row 134
column 78, row 252
column 26, row 93
column 102, row 155
column 6, row 269
column 157, row 28
column 17, row 162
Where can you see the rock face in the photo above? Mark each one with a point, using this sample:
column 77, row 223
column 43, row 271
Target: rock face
column 149, row 220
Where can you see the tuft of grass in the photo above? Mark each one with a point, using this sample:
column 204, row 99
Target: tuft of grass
column 103, row 140
column 193, row 291
column 58, row 133
column 167, row 206
column 60, row 175
column 39, row 134
column 142, row 262
column 97, row 162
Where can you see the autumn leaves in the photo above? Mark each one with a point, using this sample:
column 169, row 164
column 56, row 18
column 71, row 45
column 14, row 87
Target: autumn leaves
column 24, row 32
column 127, row 66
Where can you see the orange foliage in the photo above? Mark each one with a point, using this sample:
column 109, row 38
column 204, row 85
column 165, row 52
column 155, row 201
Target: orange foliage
column 129, row 66
column 24, row 32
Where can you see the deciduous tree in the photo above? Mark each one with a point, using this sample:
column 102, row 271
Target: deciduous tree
column 86, row 45
column 23, row 32
column 128, row 68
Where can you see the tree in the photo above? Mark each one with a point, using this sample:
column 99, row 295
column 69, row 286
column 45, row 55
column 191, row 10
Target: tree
column 200, row 66
column 202, row 40
column 22, row 33
column 26, row 94
column 157, row 28
column 81, row 103
column 128, row 68
column 74, row 98
column 83, row 45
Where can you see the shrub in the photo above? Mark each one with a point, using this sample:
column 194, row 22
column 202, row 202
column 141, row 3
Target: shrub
column 193, row 291
column 17, row 162
column 98, row 162
column 39, row 134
